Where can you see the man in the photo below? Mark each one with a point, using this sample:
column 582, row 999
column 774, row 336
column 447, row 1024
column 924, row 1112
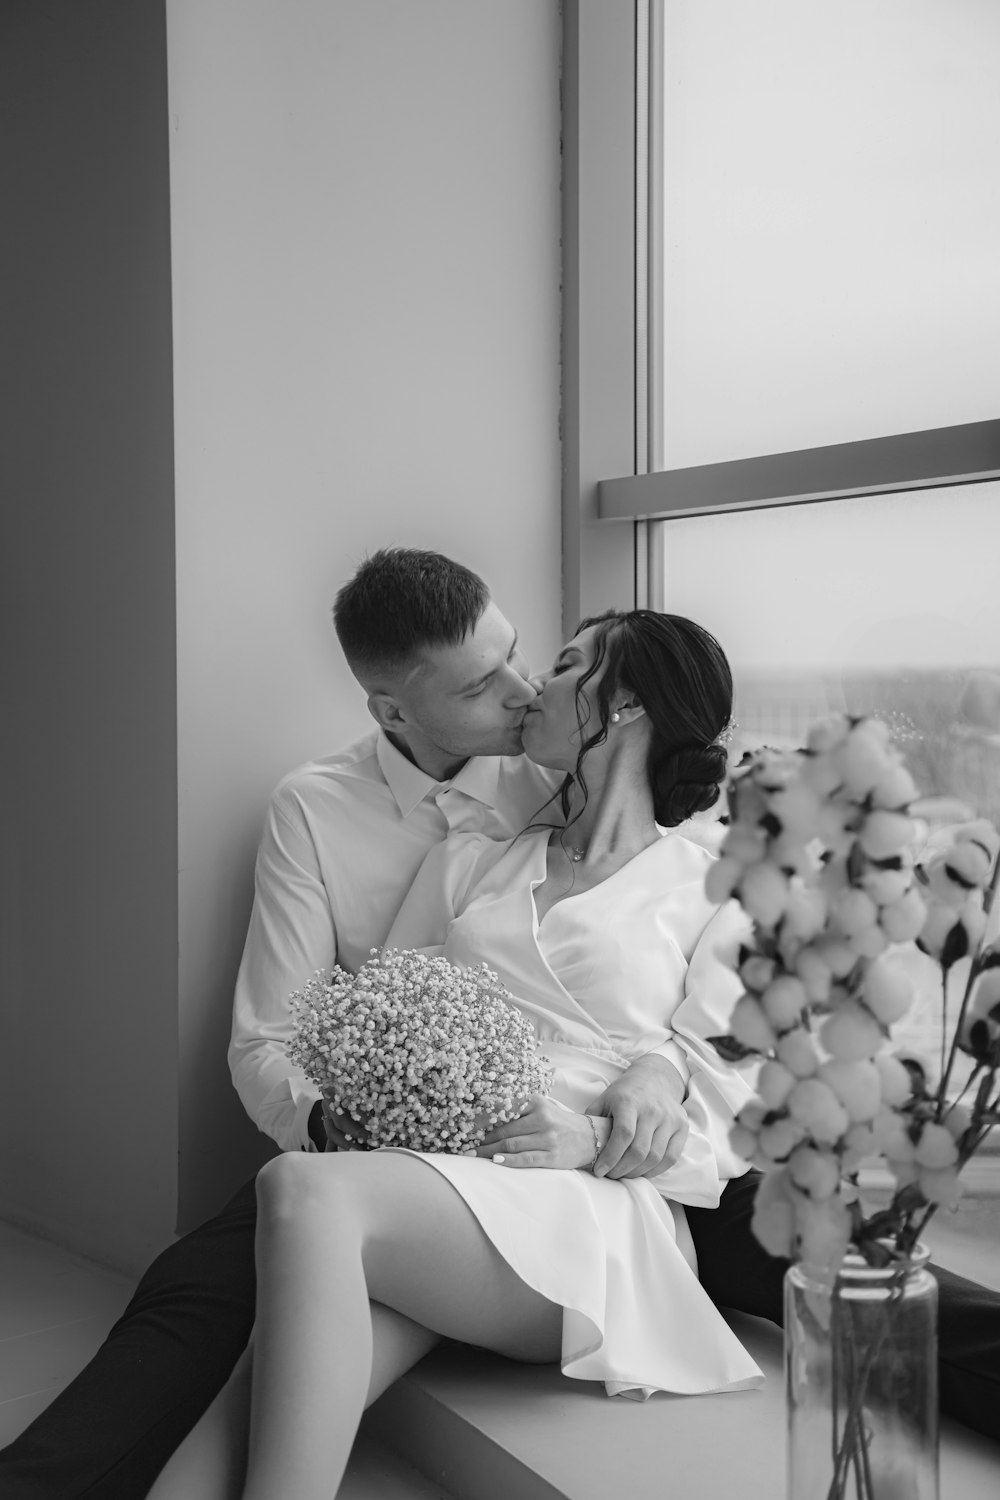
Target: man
column 447, row 687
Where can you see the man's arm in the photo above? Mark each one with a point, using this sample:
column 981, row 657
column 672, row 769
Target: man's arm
column 649, row 1123
column 291, row 935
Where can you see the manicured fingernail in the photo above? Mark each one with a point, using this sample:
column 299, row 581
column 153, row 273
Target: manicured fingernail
column 500, row 1160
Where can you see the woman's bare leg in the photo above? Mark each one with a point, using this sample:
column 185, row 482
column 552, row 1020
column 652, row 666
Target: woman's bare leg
column 333, row 1232
column 211, row 1463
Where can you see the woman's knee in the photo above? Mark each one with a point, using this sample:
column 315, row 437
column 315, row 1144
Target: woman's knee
column 290, row 1185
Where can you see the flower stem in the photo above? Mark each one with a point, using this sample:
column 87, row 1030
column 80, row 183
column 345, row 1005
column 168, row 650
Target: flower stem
column 974, row 970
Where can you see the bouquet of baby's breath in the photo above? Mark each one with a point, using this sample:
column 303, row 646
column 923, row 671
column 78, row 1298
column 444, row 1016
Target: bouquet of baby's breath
column 822, row 853
column 428, row 1055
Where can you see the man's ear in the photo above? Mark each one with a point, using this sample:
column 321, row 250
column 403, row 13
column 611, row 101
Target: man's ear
column 387, row 713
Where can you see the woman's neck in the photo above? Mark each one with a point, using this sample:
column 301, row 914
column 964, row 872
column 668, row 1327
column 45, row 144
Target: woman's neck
column 616, row 820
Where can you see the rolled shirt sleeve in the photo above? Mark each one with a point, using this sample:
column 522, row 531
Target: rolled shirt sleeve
column 292, row 934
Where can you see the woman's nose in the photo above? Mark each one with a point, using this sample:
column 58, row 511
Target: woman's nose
column 538, row 680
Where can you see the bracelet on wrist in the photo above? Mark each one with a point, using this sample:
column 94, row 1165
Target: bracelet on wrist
column 597, row 1143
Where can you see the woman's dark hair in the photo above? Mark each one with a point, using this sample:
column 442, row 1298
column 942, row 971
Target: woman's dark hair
column 680, row 675
column 401, row 600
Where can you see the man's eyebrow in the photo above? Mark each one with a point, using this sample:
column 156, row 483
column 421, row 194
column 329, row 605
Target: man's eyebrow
column 478, row 681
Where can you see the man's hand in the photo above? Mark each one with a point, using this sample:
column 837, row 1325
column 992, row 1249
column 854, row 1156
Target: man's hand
column 649, row 1126
column 343, row 1133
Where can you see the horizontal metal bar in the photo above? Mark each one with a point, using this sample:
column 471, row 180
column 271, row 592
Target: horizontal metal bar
column 908, row 460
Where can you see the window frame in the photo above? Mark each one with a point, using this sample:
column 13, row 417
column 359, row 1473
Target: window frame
column 612, row 361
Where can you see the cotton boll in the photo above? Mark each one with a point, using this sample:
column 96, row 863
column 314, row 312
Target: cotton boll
column 971, row 862
column 897, row 1086
column 941, row 1186
column 903, row 920
column 773, row 1225
column 857, row 1145
column 797, row 1051
column 743, row 1141
column 890, row 1134
column 745, row 844
column 851, row 1033
column 883, row 834
column 797, row 808
column 980, row 1027
column 957, row 1121
column 723, row 876
column 816, row 1107
column 856, row 1084
column 862, row 760
column 756, row 971
column 887, row 886
column 937, row 929
column 763, row 893
column 824, row 1231
column 942, row 884
column 814, row 1172
column 888, row 991
column 750, row 1026
column 805, row 914
column 838, row 956
column 774, row 1083
column 894, row 789
column 853, row 910
column 780, row 1137
column 869, row 943
column 784, row 1001
column 905, row 1172
column 826, row 734
column 820, row 774
column 936, row 1148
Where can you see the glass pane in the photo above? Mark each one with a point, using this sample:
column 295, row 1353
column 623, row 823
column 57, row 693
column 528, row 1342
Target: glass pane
column 831, row 222
column 887, row 605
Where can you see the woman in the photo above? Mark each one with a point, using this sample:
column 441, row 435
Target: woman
column 601, row 930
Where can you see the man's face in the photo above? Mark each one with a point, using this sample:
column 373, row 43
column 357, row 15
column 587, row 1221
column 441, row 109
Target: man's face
column 467, row 699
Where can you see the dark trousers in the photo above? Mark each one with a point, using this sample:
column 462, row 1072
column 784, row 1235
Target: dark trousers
column 108, row 1434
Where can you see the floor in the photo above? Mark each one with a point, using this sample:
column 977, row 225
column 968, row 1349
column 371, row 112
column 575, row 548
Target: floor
column 55, row 1309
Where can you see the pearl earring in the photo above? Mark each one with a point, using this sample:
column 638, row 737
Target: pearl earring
column 615, row 718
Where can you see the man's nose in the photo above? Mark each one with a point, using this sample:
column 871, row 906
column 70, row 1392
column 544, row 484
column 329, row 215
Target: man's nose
column 522, row 690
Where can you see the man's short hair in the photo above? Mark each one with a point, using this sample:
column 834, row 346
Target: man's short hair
column 402, row 600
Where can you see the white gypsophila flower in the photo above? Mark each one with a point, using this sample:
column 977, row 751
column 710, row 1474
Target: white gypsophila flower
column 424, row 1053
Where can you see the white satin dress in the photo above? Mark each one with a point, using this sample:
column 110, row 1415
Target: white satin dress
column 611, row 974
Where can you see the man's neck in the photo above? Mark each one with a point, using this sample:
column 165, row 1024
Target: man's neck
column 436, row 764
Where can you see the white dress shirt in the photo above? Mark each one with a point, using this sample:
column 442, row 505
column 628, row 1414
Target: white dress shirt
column 342, row 841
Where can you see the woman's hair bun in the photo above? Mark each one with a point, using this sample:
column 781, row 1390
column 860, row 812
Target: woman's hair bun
column 686, row 781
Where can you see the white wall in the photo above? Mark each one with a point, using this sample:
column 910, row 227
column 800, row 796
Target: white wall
column 365, row 238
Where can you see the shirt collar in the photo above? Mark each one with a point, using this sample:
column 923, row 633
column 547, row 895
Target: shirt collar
column 478, row 778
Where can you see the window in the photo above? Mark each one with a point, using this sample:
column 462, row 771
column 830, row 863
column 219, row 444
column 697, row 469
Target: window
column 804, row 429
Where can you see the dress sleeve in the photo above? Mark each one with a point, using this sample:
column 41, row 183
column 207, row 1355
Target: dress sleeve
column 291, row 935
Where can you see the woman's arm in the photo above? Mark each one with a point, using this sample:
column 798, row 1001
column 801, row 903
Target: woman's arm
column 547, row 1134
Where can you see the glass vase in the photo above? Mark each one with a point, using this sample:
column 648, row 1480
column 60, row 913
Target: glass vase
column 861, row 1381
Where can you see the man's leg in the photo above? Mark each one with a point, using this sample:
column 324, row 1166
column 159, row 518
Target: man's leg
column 737, row 1272
column 106, row 1436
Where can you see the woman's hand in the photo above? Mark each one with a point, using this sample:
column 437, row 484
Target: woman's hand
column 649, row 1125
column 545, row 1134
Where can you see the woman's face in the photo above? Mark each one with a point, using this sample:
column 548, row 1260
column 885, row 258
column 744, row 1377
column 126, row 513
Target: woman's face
column 551, row 731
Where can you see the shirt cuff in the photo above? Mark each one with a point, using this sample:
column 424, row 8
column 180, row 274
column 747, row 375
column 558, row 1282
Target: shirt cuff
column 675, row 1054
